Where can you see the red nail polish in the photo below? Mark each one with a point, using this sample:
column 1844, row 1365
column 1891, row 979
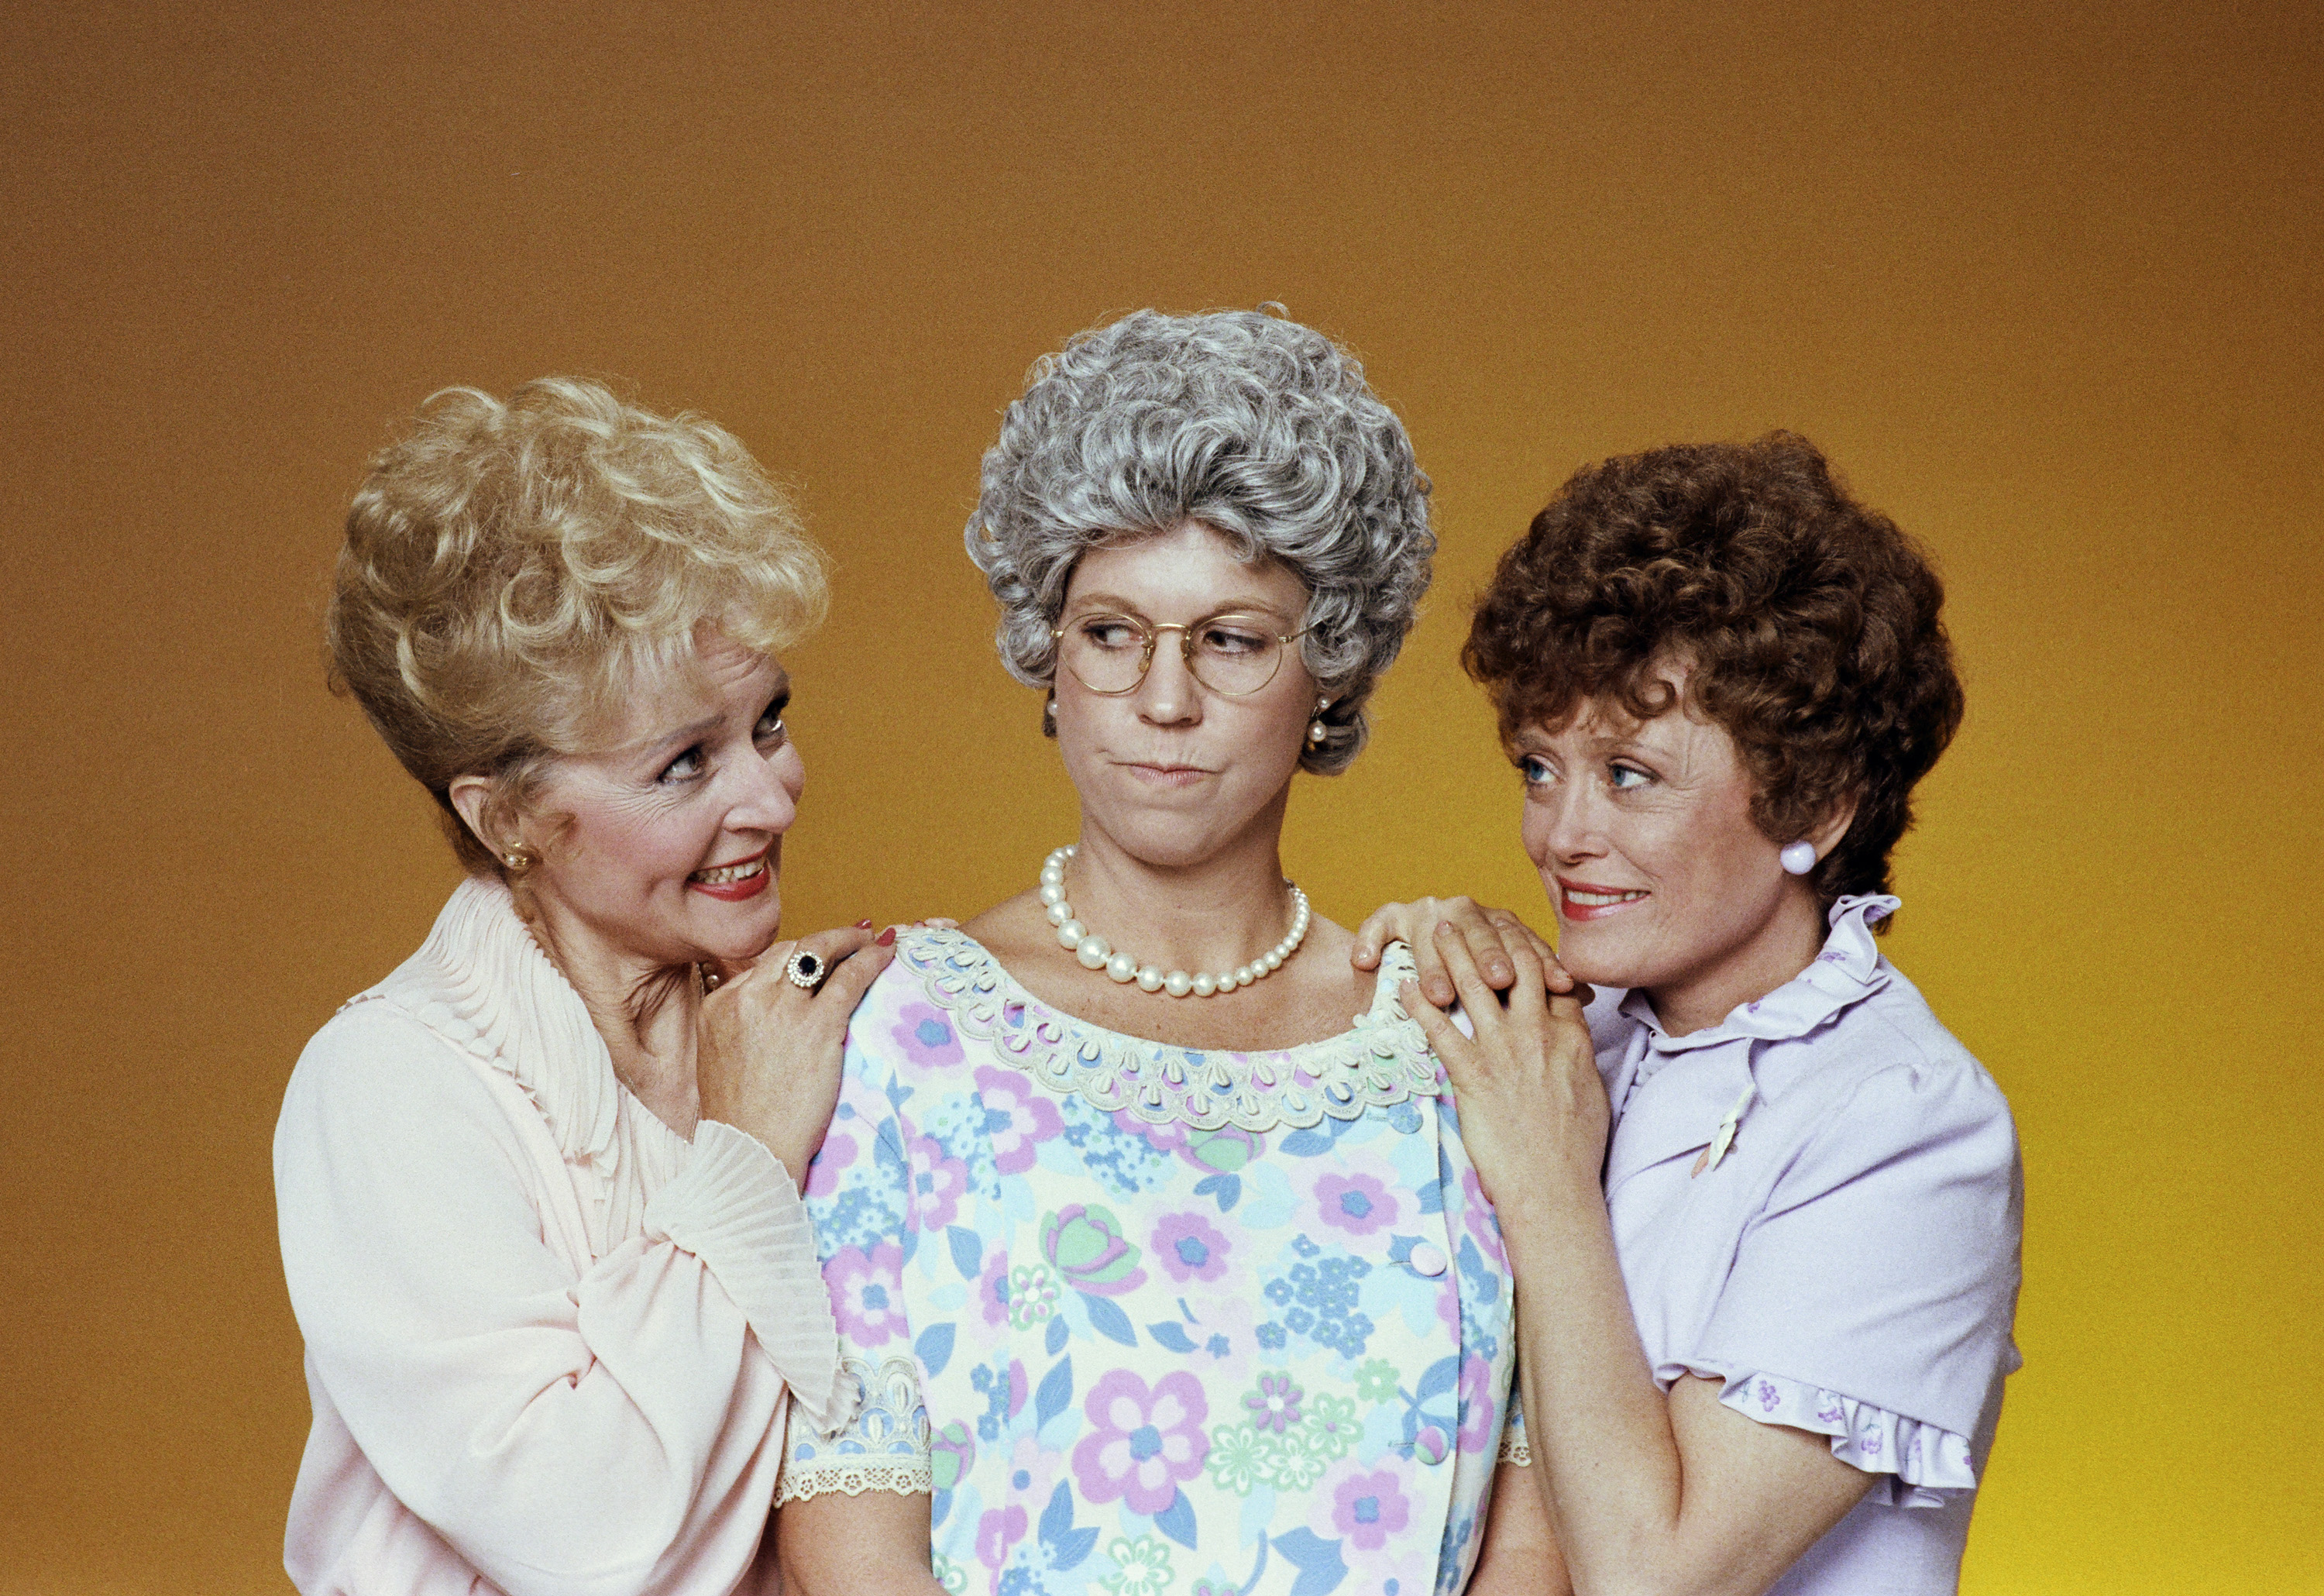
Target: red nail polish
column 863, row 925
column 886, row 936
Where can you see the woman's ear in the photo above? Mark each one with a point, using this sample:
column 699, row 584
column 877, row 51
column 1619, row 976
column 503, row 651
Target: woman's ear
column 473, row 798
column 1826, row 837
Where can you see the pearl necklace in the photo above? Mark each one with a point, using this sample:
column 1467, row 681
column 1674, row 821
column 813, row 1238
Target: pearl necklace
column 1094, row 953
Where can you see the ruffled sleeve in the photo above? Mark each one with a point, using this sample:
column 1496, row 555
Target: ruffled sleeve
column 1919, row 1461
column 1871, row 1298
column 859, row 1199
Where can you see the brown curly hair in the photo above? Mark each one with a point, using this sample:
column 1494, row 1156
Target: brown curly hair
column 1809, row 623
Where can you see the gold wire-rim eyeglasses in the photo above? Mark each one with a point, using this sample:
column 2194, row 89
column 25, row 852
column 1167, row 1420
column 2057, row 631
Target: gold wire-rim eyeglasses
column 1150, row 633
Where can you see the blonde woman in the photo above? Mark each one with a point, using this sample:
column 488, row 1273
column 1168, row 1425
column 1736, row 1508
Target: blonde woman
column 539, row 1207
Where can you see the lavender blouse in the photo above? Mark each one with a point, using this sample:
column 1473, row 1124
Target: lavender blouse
column 1849, row 1265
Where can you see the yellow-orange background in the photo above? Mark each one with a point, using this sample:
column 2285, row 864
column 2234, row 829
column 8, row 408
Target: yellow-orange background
column 2041, row 277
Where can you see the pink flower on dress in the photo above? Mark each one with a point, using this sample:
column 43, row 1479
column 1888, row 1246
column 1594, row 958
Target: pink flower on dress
column 1365, row 1507
column 996, row 1532
column 939, row 1183
column 1484, row 1224
column 1356, row 1203
column 1016, row 1119
column 1189, row 1249
column 925, row 1036
column 1478, row 1430
column 836, row 1153
column 867, row 1293
column 1142, row 1441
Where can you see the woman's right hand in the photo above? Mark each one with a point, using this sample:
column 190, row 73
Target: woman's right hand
column 767, row 1051
column 1534, row 1114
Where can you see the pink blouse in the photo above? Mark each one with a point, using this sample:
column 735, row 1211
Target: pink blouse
column 551, row 1344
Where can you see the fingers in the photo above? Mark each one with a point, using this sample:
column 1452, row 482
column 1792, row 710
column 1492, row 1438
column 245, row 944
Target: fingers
column 1372, row 938
column 853, row 977
column 1481, row 933
column 1528, row 994
column 836, row 944
column 1476, row 995
column 1444, row 1039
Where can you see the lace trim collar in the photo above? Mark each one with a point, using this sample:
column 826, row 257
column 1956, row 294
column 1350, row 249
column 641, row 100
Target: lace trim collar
column 1384, row 1060
column 1848, row 970
column 481, row 980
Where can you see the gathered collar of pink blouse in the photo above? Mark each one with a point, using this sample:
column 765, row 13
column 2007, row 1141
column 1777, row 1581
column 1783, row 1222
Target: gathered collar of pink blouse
column 482, row 980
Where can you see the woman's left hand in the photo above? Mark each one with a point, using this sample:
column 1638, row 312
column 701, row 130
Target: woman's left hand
column 1492, row 937
column 1533, row 1108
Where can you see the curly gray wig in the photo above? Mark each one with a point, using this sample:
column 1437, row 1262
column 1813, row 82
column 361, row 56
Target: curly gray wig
column 1255, row 426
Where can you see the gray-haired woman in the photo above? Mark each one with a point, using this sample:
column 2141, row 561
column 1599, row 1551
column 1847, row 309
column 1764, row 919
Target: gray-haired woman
column 1151, row 1271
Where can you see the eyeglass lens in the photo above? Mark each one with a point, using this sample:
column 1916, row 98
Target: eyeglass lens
column 1231, row 654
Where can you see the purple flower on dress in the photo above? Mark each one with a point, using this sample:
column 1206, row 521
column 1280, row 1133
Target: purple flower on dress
column 867, row 1293
column 1770, row 1397
column 1017, row 1118
column 1275, row 1406
column 1189, row 1249
column 1086, row 1246
column 836, row 1153
column 1478, row 1430
column 925, row 1035
column 1827, row 1409
column 1368, row 1507
column 1142, row 1440
column 996, row 1532
column 1356, row 1203
column 992, row 1286
column 939, row 1183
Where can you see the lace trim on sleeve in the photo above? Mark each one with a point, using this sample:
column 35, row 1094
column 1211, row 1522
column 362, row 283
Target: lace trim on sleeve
column 1515, row 1448
column 1920, row 1461
column 885, row 1447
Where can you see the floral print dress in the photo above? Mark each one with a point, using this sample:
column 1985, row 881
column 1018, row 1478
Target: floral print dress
column 1148, row 1320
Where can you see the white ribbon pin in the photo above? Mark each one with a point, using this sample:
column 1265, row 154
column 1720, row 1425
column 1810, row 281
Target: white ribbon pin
column 1726, row 1137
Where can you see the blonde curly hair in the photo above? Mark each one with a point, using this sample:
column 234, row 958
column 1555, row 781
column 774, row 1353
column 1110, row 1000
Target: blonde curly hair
column 513, row 567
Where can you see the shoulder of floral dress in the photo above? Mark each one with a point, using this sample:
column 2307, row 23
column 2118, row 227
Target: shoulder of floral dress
column 1382, row 1060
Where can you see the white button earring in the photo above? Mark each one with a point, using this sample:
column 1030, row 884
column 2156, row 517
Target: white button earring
column 1798, row 858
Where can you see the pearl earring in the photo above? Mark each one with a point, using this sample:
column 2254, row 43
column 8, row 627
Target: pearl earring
column 1049, row 714
column 1798, row 858
column 1316, row 730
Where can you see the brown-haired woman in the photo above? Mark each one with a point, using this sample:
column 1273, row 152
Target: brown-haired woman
column 1768, row 1352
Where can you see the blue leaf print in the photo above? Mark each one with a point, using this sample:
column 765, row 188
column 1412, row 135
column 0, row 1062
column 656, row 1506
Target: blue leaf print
column 1108, row 1319
column 1054, row 1337
column 887, row 1151
column 1316, row 1559
column 1056, row 1390
column 967, row 1251
column 1399, row 1248
column 1441, row 1376
column 1177, row 1520
column 1171, row 1335
column 1058, row 1517
column 1472, row 1264
column 933, row 1349
column 1226, row 1188
column 1069, row 1551
column 1306, row 1144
